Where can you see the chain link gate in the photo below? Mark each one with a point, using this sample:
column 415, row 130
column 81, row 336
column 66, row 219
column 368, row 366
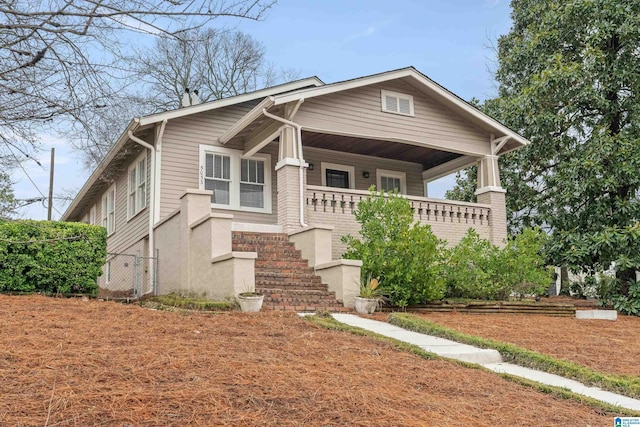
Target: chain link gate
column 127, row 276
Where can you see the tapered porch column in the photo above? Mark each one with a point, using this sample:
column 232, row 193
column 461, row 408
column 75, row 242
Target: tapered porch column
column 290, row 192
column 491, row 193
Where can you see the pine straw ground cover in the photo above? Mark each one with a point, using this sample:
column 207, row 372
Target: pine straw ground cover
column 68, row 362
column 611, row 347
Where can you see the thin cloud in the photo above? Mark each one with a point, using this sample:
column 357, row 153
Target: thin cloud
column 490, row 4
column 366, row 33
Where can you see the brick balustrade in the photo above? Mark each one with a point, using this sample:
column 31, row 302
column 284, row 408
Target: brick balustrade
column 448, row 219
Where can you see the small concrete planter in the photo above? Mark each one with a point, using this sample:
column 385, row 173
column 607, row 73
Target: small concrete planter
column 366, row 305
column 250, row 302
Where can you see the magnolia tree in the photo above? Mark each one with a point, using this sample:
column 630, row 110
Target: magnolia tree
column 568, row 81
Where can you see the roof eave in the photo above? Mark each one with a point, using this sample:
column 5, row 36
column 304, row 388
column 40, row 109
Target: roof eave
column 207, row 106
column 102, row 166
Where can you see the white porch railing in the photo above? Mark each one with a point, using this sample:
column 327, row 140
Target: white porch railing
column 448, row 219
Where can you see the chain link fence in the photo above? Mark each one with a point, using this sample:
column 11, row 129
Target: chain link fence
column 127, row 276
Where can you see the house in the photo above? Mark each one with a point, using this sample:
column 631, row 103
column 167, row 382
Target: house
column 221, row 194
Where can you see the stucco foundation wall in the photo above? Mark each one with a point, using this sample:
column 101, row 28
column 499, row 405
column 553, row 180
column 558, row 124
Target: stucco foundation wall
column 167, row 238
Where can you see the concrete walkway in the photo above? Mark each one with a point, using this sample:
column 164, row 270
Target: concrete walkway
column 490, row 359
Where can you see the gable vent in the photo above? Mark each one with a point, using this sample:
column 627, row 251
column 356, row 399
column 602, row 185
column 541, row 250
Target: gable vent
column 397, row 103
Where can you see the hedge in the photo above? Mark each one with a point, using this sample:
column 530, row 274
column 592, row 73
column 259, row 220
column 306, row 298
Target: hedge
column 51, row 257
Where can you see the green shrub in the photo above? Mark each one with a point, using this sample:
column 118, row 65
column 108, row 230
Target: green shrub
column 51, row 257
column 626, row 304
column 470, row 269
column 479, row 270
column 405, row 256
column 521, row 267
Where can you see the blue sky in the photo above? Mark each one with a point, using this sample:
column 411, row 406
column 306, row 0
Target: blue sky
column 449, row 41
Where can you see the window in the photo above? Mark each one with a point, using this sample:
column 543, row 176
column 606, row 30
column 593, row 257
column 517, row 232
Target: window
column 109, row 210
column 92, row 215
column 338, row 176
column 137, row 186
column 397, row 103
column 237, row 182
column 217, row 177
column 389, row 181
column 252, row 183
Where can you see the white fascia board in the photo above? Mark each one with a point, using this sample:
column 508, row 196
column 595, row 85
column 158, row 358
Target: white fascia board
column 207, row 106
column 432, row 86
column 124, row 137
column 246, row 120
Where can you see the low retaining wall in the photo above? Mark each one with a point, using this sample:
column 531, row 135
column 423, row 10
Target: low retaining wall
column 491, row 307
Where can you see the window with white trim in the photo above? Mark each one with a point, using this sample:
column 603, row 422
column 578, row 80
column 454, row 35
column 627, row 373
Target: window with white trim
column 397, row 103
column 109, row 210
column 390, row 181
column 137, row 198
column 252, row 183
column 337, row 176
column 237, row 183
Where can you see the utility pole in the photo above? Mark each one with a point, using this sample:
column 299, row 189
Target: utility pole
column 53, row 154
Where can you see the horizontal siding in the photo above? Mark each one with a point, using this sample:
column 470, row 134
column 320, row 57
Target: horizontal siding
column 362, row 164
column 128, row 233
column 180, row 158
column 358, row 111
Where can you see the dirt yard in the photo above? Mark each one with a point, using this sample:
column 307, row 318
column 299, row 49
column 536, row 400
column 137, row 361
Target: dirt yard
column 604, row 345
column 72, row 362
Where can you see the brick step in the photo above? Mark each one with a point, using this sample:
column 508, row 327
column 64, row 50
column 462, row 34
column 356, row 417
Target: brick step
column 306, row 308
column 262, row 263
column 293, row 292
column 285, row 273
column 273, row 248
column 276, row 257
column 262, row 284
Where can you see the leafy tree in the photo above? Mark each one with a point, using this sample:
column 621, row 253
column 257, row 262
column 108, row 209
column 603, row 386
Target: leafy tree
column 8, row 202
column 569, row 80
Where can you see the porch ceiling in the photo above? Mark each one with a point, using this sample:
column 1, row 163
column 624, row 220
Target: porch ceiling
column 428, row 157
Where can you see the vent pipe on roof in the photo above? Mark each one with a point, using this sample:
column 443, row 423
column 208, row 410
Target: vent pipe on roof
column 186, row 101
